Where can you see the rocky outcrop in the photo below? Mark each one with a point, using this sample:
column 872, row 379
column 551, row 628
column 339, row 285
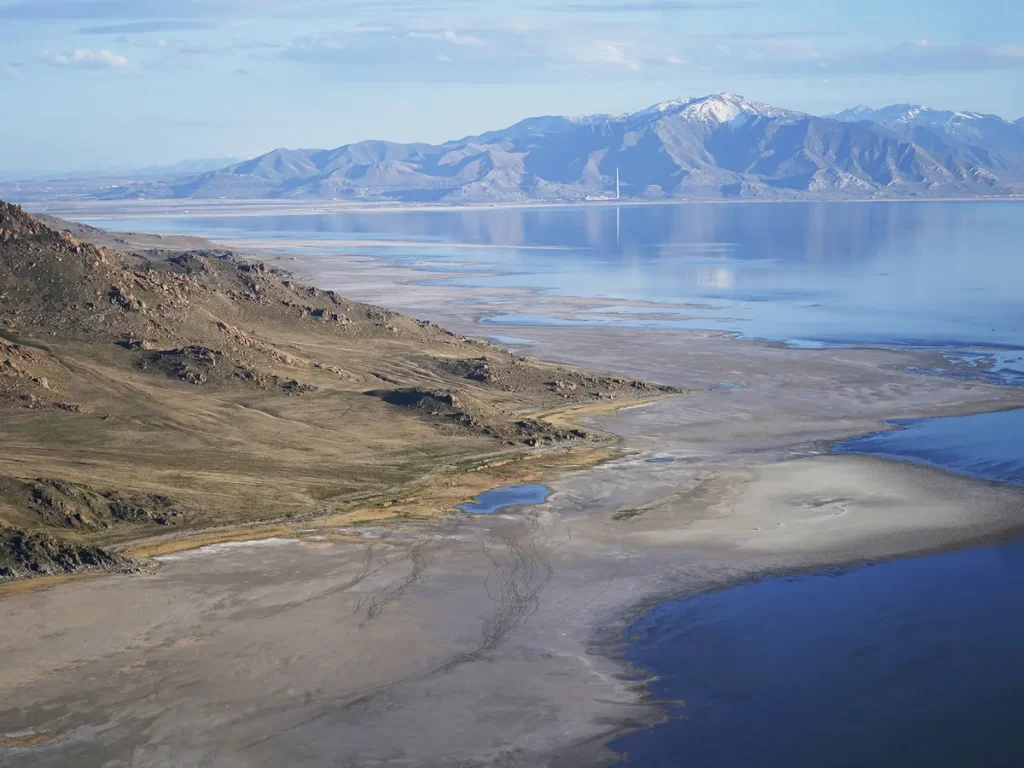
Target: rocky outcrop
column 73, row 506
column 42, row 554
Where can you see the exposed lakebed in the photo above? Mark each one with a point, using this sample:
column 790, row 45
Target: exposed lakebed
column 911, row 662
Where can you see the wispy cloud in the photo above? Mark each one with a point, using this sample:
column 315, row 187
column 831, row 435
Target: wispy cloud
column 601, row 53
column 146, row 10
column 141, row 27
column 86, row 58
column 917, row 57
column 449, row 36
column 12, row 70
column 650, row 6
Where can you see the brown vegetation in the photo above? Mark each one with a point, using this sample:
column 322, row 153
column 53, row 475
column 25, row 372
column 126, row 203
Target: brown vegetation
column 193, row 391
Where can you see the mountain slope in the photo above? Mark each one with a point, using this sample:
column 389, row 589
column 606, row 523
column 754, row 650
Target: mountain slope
column 718, row 146
column 987, row 140
column 142, row 397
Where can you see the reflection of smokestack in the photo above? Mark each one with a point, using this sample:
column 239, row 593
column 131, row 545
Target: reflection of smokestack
column 617, row 195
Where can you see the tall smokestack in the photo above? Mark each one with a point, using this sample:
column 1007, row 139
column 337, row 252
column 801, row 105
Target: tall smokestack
column 617, row 189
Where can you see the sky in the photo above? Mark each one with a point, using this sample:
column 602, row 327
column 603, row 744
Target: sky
column 97, row 84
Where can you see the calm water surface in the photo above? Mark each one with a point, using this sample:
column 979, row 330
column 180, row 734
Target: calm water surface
column 492, row 501
column 947, row 275
column 989, row 445
column 909, row 663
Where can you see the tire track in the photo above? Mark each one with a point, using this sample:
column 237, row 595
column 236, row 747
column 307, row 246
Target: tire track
column 520, row 571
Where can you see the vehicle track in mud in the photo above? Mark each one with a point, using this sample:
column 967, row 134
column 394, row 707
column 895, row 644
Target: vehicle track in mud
column 521, row 569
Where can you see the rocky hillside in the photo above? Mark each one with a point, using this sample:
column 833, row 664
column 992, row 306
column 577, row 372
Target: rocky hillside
column 143, row 395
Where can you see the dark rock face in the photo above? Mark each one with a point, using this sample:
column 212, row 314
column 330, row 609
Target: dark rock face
column 435, row 403
column 41, row 554
column 60, row 504
column 446, row 408
column 192, row 364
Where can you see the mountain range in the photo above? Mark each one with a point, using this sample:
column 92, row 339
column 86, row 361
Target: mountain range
column 712, row 147
column 183, row 168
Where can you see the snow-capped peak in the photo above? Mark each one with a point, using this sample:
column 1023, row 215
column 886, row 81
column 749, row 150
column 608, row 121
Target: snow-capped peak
column 721, row 108
column 910, row 114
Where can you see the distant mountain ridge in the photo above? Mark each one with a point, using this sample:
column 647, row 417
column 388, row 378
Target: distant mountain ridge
column 181, row 168
column 711, row 147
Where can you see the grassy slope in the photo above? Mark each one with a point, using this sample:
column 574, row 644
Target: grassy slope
column 140, row 397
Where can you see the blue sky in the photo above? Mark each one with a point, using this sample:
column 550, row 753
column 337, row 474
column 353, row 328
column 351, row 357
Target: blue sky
column 100, row 83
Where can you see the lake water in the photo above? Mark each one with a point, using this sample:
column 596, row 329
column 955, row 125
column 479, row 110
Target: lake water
column 506, row 496
column 941, row 275
column 989, row 445
column 909, row 663
column 915, row 662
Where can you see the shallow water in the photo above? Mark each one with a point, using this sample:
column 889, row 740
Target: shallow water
column 504, row 497
column 943, row 275
column 908, row 663
column 911, row 663
column 989, row 445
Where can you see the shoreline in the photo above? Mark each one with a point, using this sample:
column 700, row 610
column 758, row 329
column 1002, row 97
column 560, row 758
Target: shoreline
column 425, row 649
column 612, row 641
column 258, row 207
column 408, row 284
column 395, row 507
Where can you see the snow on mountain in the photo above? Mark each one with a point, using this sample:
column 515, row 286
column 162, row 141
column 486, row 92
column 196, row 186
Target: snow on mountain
column 988, row 140
column 716, row 146
column 723, row 109
column 911, row 113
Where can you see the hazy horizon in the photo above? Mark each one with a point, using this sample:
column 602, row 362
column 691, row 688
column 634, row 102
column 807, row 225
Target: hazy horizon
column 138, row 83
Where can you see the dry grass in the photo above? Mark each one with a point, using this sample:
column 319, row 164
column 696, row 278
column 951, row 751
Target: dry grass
column 151, row 358
column 27, row 741
column 438, row 495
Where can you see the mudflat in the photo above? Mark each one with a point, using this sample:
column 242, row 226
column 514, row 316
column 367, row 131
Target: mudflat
column 477, row 641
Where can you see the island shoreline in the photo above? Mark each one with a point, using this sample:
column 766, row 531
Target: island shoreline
column 724, row 470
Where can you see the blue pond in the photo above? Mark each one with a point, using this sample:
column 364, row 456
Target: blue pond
column 989, row 445
column 506, row 496
column 907, row 663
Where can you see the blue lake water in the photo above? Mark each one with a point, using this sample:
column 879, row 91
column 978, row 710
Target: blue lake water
column 915, row 662
column 942, row 275
column 989, row 445
column 492, row 501
column 908, row 663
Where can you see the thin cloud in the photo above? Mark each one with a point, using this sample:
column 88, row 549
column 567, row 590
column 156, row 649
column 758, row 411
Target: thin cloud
column 141, row 27
column 653, row 6
column 925, row 57
column 12, row 70
column 146, row 10
column 85, row 58
column 602, row 53
column 449, row 36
